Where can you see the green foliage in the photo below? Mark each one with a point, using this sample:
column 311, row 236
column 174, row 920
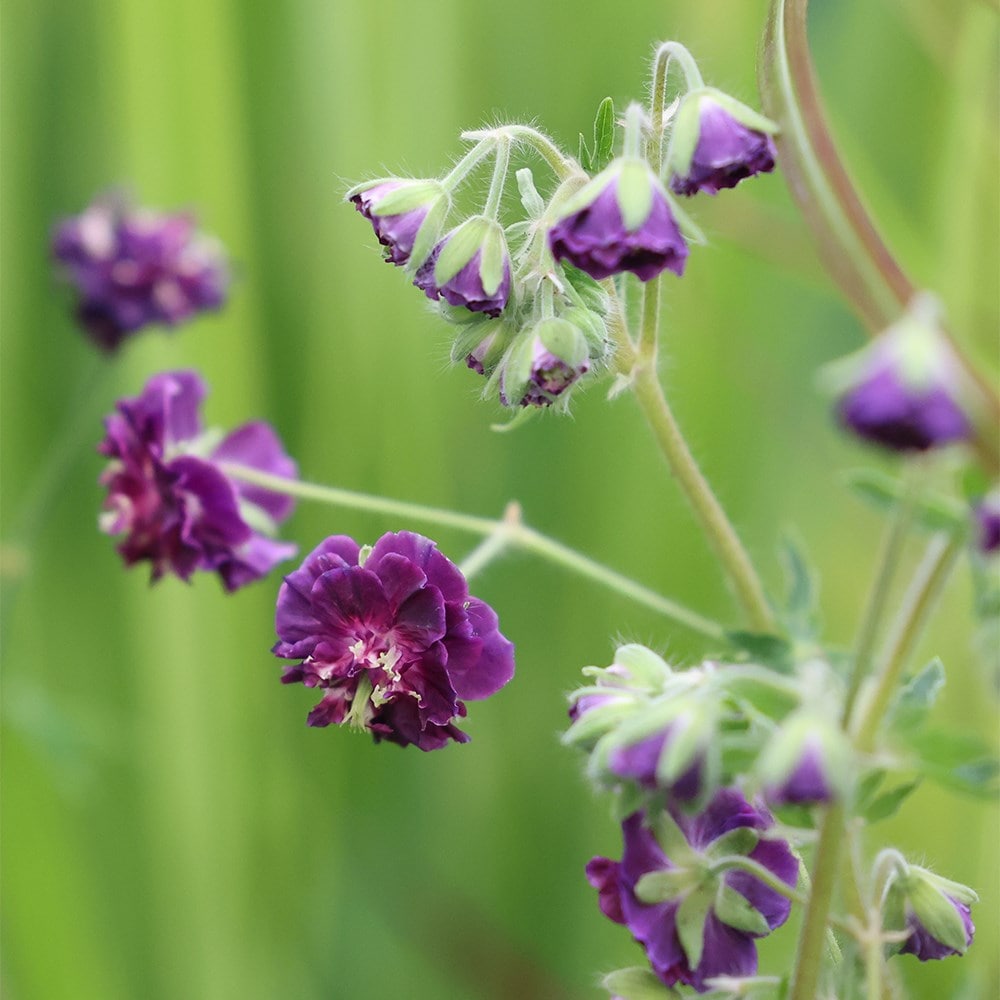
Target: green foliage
column 596, row 159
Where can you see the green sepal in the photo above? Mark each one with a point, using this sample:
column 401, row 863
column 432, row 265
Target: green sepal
column 515, row 369
column 407, row 198
column 532, row 201
column 637, row 984
column 684, row 134
column 563, row 339
column 741, row 840
column 647, row 668
column 591, row 326
column 937, row 914
column 591, row 294
column 428, row 235
column 690, row 920
column 662, row 885
column 462, row 245
column 671, row 839
column 745, row 115
column 523, row 415
column 690, row 738
column 596, row 722
column 491, row 264
column 734, row 909
column 471, row 335
column 635, row 193
column 629, row 798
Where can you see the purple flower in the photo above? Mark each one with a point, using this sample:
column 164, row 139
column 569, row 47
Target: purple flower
column 620, row 221
column 469, row 268
column 987, row 515
column 174, row 503
column 134, row 267
column 925, row 945
column 546, row 361
column 393, row 639
column 701, row 925
column 726, row 150
column 397, row 208
column 807, row 783
column 638, row 762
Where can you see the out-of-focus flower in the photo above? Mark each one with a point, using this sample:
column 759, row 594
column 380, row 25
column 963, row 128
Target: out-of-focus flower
column 933, row 909
column 987, row 515
column 695, row 919
column 808, row 761
column 469, row 268
column 134, row 267
column 717, row 142
column 621, row 221
column 169, row 493
column 397, row 208
column 392, row 637
column 903, row 391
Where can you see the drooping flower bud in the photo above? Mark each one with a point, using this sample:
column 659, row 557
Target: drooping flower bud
column 544, row 363
column 397, row 208
column 933, row 909
column 620, row 221
column 903, row 391
column 469, row 268
column 134, row 267
column 807, row 762
column 716, row 143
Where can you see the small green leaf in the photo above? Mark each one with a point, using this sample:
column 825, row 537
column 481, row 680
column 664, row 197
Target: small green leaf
column 604, row 134
column 957, row 760
column 768, row 650
column 800, row 600
column 741, row 840
column 887, row 804
column 931, row 512
column 637, row 984
column 584, row 156
column 691, row 916
column 734, row 909
column 918, row 695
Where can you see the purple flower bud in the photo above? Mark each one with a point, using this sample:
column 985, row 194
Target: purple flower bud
column 394, row 640
column 933, row 909
column 469, row 268
column 726, row 149
column 640, row 761
column 925, row 945
column 134, row 267
column 902, row 390
column 177, row 507
column 987, row 515
column 548, row 360
column 720, row 938
column 397, row 208
column 807, row 783
column 620, row 221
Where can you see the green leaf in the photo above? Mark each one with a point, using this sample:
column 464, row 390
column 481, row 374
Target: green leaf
column 800, row 600
column 690, row 918
column 887, row 804
column 918, row 695
column 585, row 156
column 734, row 909
column 931, row 512
column 637, row 984
column 604, row 134
column 956, row 760
column 763, row 648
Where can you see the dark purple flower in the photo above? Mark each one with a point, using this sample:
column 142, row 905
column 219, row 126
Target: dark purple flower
column 397, row 208
column 987, row 514
column 469, row 268
column 638, row 762
column 726, row 151
column 548, row 360
column 621, row 221
column 174, row 502
column 925, row 945
column 806, row 784
column 394, row 640
column 134, row 267
column 725, row 949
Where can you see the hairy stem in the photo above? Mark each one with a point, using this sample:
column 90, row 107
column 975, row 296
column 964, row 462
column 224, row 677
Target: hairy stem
column 563, row 166
column 510, row 528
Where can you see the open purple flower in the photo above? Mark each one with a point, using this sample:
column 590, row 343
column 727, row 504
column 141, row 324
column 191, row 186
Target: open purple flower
column 392, row 637
column 469, row 268
column 726, row 149
column 134, row 267
column 169, row 494
column 621, row 221
column 397, row 208
column 693, row 921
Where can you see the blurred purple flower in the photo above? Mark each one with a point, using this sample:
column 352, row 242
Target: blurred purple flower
column 638, row 762
column 727, row 151
column 724, row 949
column 595, row 236
column 134, row 267
column 987, row 515
column 393, row 639
column 807, row 782
column 171, row 498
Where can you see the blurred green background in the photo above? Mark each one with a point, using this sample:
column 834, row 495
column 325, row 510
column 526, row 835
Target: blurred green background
column 171, row 828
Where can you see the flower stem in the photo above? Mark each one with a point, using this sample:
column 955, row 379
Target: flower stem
column 516, row 533
column 919, row 601
column 564, row 167
column 717, row 527
column 661, row 65
column 492, row 209
column 809, row 960
column 469, row 162
column 493, row 544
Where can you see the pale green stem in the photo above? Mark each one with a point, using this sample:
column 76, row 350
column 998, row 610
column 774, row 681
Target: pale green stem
column 492, row 545
column 492, row 209
column 717, row 527
column 917, row 605
column 632, row 144
column 658, row 100
column 564, row 167
column 874, row 959
column 468, row 163
column 650, row 329
column 760, row 873
column 892, row 549
column 809, row 960
column 519, row 535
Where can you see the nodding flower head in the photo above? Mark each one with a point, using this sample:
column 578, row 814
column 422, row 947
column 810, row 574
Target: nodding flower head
column 397, row 208
column 171, row 497
column 135, row 267
column 392, row 638
column 621, row 221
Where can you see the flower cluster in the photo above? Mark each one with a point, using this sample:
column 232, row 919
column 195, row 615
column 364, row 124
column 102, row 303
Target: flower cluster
column 134, row 267
column 171, row 496
column 391, row 636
